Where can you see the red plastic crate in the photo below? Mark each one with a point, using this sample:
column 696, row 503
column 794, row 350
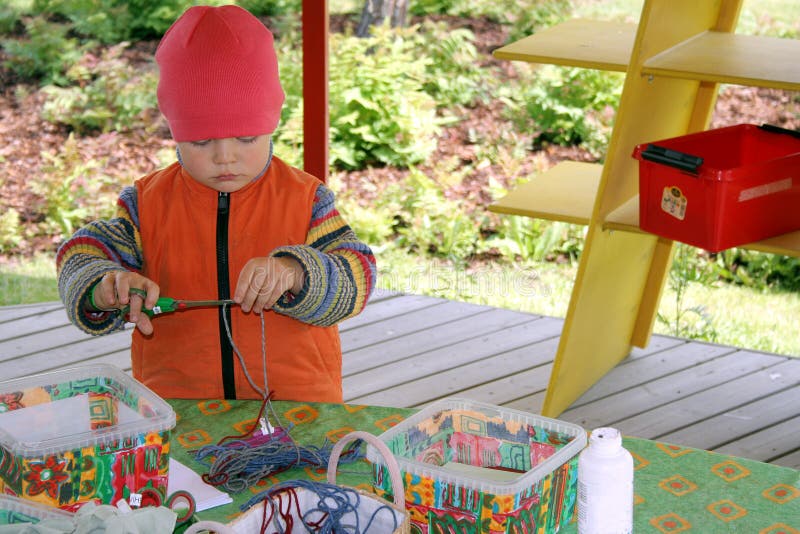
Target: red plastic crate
column 721, row 188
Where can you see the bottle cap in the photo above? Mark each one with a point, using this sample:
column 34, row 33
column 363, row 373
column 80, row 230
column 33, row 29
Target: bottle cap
column 606, row 439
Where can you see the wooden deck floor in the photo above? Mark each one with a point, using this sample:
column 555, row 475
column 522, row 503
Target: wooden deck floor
column 408, row 350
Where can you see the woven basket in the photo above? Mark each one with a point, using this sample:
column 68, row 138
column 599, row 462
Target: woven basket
column 392, row 519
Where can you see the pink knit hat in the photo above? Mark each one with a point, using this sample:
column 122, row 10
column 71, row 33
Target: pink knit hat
column 219, row 75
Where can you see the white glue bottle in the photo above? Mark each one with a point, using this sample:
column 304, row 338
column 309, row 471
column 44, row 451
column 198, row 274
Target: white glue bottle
column 605, row 485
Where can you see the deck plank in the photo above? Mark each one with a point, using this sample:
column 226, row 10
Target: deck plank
column 403, row 324
column 66, row 355
column 745, row 419
column 743, row 387
column 417, row 368
column 791, row 459
column 454, row 331
column 14, row 313
column 643, row 367
column 620, row 408
column 34, row 324
column 442, row 380
column 408, row 350
column 34, row 342
column 387, row 308
column 768, row 445
column 529, row 368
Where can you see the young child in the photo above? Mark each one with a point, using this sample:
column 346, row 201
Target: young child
column 227, row 220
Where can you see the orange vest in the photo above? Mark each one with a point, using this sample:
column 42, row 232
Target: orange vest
column 183, row 357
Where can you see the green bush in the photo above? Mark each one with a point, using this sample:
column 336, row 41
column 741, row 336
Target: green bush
column 10, row 17
column 114, row 21
column 379, row 113
column 107, row 93
column 757, row 269
column 523, row 17
column 567, row 106
column 373, row 225
column 535, row 16
column 108, row 21
column 451, row 74
column 527, row 238
column 10, row 230
column 271, row 8
column 73, row 190
column 505, row 11
column 428, row 222
column 44, row 54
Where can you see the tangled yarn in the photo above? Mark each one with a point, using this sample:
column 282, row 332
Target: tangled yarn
column 335, row 509
column 239, row 464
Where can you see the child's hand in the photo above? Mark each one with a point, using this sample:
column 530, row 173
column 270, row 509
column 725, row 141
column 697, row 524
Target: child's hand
column 263, row 281
column 114, row 292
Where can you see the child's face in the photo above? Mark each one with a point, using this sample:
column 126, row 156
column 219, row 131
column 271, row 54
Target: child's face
column 225, row 165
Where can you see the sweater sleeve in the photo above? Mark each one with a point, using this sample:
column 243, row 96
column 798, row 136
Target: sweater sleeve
column 340, row 270
column 98, row 248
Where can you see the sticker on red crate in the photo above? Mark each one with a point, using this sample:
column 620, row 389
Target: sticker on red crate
column 673, row 202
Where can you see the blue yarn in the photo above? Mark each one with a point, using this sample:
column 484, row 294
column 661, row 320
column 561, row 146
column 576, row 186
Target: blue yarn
column 336, row 504
column 238, row 465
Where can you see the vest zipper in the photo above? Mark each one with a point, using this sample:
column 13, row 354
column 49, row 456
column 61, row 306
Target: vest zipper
column 224, row 290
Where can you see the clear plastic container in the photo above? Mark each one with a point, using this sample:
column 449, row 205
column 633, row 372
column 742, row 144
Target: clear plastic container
column 82, row 433
column 14, row 510
column 490, row 465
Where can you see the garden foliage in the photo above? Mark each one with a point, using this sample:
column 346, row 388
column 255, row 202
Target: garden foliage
column 390, row 95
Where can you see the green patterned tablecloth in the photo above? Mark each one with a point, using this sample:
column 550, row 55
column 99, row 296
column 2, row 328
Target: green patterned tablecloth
column 677, row 489
column 206, row 422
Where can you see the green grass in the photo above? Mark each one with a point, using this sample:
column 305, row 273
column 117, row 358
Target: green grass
column 542, row 288
column 768, row 321
column 28, row 282
column 744, row 317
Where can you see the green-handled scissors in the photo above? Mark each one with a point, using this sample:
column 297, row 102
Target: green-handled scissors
column 168, row 304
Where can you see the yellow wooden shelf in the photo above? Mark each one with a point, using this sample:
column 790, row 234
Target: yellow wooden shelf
column 730, row 58
column 674, row 59
column 576, row 43
column 626, row 218
column 785, row 245
column 565, row 193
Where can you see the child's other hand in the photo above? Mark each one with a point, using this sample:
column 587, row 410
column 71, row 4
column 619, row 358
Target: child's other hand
column 114, row 291
column 263, row 281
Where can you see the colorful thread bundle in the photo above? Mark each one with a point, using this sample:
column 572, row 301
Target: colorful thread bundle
column 335, row 509
column 245, row 459
column 239, row 465
column 250, row 457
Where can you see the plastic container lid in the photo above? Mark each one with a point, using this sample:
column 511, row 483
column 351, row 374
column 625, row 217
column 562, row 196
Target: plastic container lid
column 475, row 481
column 31, row 509
column 62, row 424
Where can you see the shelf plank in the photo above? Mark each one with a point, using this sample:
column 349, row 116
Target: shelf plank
column 566, row 192
column 626, row 219
column 785, row 245
column 585, row 43
column 731, row 58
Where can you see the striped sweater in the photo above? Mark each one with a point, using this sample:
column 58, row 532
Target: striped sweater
column 339, row 267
